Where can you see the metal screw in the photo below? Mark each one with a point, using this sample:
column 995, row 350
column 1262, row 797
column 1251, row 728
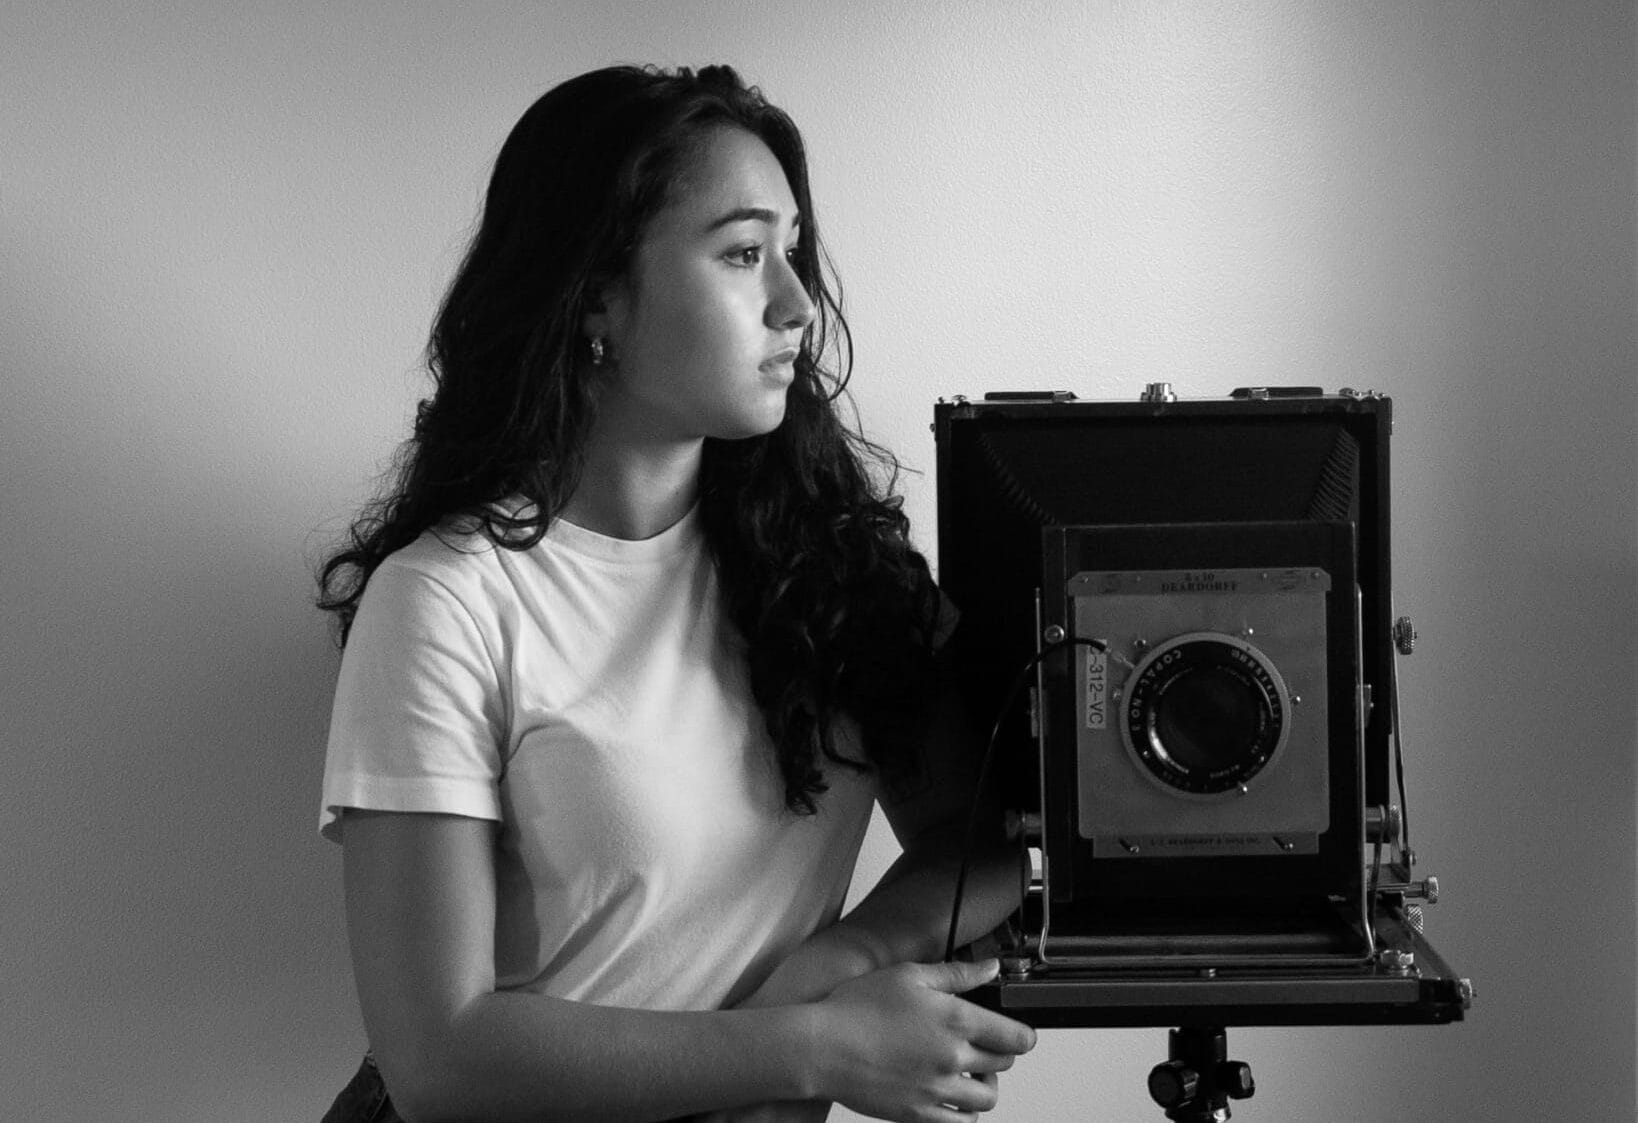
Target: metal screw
column 1053, row 634
column 1399, row 962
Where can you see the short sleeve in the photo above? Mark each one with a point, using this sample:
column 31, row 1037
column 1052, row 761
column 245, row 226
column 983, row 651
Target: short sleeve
column 418, row 720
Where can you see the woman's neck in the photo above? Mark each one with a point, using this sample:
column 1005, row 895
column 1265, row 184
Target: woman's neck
column 634, row 490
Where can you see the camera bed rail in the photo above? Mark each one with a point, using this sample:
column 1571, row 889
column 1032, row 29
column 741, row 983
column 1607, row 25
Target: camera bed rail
column 1408, row 983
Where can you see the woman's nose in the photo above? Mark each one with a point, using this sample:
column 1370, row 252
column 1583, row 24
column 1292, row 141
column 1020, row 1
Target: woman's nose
column 789, row 305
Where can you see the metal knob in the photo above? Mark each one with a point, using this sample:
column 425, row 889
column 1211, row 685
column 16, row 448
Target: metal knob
column 1172, row 1083
column 1235, row 1077
column 1022, row 824
column 1397, row 962
column 1158, row 392
column 1404, row 635
column 1382, row 824
column 1015, row 968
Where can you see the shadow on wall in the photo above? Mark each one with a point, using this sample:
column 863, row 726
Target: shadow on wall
column 168, row 707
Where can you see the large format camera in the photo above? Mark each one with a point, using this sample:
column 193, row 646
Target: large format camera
column 1178, row 617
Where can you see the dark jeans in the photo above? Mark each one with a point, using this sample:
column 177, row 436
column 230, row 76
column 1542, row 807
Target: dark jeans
column 364, row 1099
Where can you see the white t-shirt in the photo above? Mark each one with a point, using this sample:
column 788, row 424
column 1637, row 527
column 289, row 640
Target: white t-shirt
column 590, row 696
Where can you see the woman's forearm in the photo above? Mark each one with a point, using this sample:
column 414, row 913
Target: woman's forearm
column 909, row 908
column 889, row 1045
column 525, row 1056
column 904, row 919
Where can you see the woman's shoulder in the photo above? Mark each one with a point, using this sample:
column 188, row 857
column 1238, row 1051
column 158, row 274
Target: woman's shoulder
column 484, row 559
column 445, row 562
column 449, row 551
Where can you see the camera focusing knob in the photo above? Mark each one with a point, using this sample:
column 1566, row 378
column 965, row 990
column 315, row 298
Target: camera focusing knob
column 1404, row 635
column 1427, row 890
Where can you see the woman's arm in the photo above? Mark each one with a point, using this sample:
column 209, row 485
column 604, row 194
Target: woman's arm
column 905, row 918
column 420, row 892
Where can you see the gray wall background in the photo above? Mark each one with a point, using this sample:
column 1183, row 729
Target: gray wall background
column 223, row 229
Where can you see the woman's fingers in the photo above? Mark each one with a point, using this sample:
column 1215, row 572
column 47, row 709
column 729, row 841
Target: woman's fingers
column 906, row 1048
column 982, row 1062
column 990, row 1032
column 969, row 1093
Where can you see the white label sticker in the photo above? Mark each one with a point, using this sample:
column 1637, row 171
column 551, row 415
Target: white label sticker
column 1097, row 687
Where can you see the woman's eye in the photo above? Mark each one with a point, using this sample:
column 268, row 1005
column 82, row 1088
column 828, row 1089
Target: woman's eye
column 751, row 256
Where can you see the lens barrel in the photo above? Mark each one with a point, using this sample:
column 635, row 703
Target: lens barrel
column 1205, row 712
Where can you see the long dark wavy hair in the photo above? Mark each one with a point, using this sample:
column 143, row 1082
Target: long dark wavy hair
column 837, row 610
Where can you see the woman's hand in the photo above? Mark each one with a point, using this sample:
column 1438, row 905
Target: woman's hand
column 898, row 1044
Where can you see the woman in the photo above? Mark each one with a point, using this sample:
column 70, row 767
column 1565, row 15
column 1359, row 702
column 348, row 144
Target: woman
column 631, row 648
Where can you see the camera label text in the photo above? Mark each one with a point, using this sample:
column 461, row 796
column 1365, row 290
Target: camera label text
column 1097, row 687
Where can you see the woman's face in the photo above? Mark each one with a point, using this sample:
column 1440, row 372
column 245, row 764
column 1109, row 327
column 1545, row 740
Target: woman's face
column 704, row 329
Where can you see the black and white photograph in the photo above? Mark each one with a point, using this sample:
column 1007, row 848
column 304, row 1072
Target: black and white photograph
column 717, row 561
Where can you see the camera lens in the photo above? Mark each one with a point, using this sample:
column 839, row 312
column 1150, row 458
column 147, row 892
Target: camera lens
column 1205, row 712
column 1206, row 717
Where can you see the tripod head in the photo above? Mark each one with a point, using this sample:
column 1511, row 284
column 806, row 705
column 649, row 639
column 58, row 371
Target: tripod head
column 1197, row 1080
